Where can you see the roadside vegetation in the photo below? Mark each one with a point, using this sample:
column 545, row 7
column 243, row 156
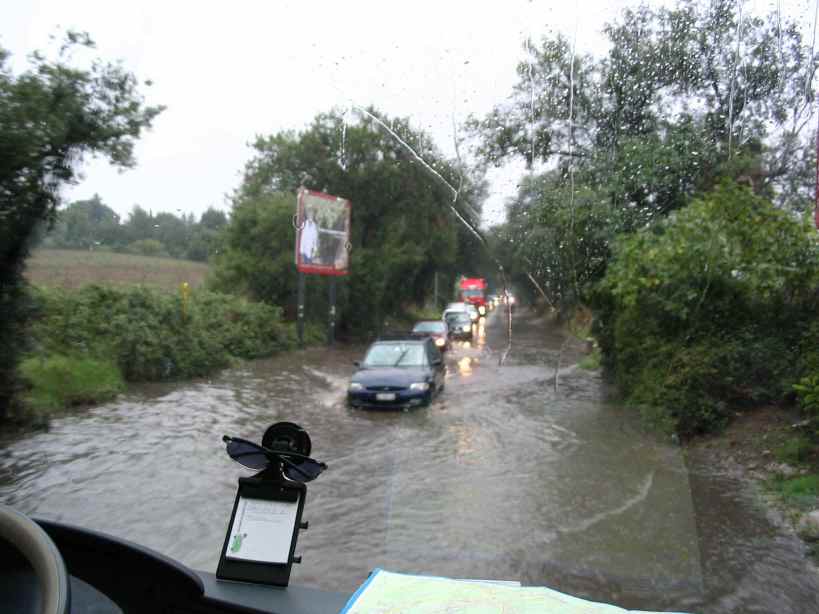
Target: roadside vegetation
column 52, row 116
column 85, row 343
column 57, row 381
column 672, row 193
column 711, row 309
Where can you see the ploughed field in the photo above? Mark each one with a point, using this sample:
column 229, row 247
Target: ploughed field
column 63, row 268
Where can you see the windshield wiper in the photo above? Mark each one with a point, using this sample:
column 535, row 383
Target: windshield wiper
column 400, row 358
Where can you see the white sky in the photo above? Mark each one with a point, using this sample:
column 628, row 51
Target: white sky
column 229, row 71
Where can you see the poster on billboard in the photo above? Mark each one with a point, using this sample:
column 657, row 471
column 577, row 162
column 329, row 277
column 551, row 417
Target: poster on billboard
column 322, row 233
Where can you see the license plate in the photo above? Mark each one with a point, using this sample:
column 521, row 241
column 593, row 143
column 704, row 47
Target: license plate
column 385, row 396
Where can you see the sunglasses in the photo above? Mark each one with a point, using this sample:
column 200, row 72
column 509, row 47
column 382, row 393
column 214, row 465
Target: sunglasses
column 297, row 467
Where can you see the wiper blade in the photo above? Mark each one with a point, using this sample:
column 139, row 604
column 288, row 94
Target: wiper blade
column 400, row 358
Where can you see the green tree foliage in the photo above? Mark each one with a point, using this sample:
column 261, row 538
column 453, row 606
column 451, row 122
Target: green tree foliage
column 92, row 225
column 403, row 228
column 205, row 236
column 258, row 259
column 712, row 306
column 140, row 224
column 51, row 117
column 684, row 95
column 86, row 224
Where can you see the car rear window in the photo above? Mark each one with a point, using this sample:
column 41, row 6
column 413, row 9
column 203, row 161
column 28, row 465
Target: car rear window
column 429, row 327
column 396, row 355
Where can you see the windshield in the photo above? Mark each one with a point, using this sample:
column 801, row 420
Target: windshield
column 396, row 355
column 210, row 212
column 429, row 327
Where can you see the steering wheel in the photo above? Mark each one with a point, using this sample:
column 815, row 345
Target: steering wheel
column 41, row 553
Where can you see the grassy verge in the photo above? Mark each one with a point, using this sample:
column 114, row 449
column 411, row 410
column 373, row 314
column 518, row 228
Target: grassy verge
column 579, row 326
column 763, row 445
column 579, row 323
column 800, row 493
column 591, row 361
column 59, row 381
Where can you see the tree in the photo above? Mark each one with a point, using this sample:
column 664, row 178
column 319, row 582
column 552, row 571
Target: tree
column 213, row 219
column 51, row 117
column 139, row 225
column 712, row 305
column 684, row 96
column 403, row 225
column 204, row 240
column 259, row 246
column 85, row 224
column 172, row 233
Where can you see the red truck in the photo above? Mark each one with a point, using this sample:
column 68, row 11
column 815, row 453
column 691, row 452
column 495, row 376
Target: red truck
column 473, row 290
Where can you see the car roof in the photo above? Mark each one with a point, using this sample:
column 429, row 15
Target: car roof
column 426, row 322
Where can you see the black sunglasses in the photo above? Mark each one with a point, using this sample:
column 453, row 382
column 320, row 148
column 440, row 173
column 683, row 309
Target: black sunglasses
column 301, row 468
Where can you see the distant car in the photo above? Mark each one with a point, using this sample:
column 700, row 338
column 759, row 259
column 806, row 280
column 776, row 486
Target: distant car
column 467, row 308
column 396, row 373
column 454, row 308
column 459, row 324
column 437, row 329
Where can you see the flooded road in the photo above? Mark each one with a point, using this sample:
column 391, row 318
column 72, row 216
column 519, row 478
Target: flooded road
column 501, row 477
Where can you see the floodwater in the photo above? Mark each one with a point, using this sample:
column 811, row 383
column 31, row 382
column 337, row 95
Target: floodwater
column 505, row 476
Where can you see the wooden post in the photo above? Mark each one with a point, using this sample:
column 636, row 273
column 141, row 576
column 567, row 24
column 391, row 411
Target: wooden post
column 331, row 328
column 300, row 307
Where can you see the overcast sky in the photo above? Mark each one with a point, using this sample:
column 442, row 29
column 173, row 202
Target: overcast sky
column 230, row 70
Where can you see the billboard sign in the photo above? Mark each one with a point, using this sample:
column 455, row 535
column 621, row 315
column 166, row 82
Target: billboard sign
column 322, row 233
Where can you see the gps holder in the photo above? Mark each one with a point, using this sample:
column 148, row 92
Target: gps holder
column 264, row 525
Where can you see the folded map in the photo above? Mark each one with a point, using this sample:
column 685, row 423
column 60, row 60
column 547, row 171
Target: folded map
column 386, row 592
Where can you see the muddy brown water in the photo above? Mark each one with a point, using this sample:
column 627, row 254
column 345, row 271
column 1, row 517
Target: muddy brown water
column 501, row 477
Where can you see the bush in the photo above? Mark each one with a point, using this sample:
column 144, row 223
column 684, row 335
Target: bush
column 58, row 381
column 794, row 450
column 591, row 361
column 146, row 247
column 807, row 391
column 712, row 307
column 154, row 336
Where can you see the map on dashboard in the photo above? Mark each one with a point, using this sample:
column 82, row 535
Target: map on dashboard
column 385, row 592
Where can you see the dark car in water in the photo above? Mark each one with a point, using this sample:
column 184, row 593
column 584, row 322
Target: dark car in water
column 397, row 373
column 459, row 324
column 437, row 329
